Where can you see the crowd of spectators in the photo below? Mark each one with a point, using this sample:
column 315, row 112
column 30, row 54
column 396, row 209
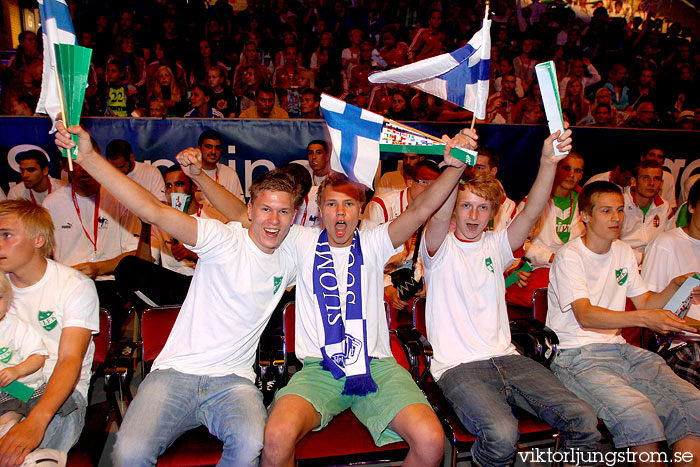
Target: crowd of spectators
column 618, row 64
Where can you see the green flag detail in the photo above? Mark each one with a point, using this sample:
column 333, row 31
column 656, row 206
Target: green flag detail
column 72, row 67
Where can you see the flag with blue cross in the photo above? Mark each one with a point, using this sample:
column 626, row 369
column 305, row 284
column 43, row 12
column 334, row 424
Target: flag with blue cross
column 460, row 77
column 355, row 134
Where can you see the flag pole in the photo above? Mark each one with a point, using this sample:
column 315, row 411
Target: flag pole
column 414, row 130
column 486, row 17
column 64, row 115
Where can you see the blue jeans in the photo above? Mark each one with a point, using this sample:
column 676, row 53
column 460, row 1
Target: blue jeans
column 64, row 430
column 169, row 403
column 633, row 391
column 482, row 392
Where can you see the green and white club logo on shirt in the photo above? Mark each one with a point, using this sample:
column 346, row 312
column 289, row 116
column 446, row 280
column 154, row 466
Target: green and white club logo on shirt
column 5, row 355
column 277, row 282
column 621, row 276
column 489, row 264
column 47, row 320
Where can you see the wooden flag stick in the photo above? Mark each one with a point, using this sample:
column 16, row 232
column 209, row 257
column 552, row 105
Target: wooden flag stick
column 427, row 135
column 486, row 17
column 64, row 114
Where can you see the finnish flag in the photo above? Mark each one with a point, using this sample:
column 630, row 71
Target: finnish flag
column 460, row 77
column 355, row 134
column 57, row 28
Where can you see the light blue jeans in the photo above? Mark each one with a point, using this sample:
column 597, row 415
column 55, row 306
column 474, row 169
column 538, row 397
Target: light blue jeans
column 169, row 403
column 482, row 393
column 633, row 391
column 64, row 430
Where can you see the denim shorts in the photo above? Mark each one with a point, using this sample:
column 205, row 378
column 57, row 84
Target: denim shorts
column 396, row 390
column 633, row 391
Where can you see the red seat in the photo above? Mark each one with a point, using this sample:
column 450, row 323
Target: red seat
column 88, row 450
column 344, row 437
column 195, row 447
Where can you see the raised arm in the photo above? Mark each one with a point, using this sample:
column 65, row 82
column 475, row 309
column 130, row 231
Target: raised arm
column 539, row 194
column 223, row 200
column 435, row 195
column 136, row 198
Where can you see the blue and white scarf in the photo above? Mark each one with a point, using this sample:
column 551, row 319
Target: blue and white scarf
column 344, row 347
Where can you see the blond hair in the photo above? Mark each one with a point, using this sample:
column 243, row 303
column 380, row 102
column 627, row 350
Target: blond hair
column 485, row 185
column 35, row 220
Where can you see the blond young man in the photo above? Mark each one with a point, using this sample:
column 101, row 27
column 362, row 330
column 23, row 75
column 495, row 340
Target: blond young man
column 61, row 305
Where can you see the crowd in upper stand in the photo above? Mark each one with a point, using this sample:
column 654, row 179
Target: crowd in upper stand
column 618, row 64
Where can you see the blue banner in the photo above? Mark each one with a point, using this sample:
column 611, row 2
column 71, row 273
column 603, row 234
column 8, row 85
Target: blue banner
column 254, row 146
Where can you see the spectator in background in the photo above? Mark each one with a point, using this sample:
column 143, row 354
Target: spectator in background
column 577, row 67
column 391, row 50
column 166, row 88
column 249, row 58
column 204, row 61
column 575, row 102
column 164, row 58
column 643, row 88
column 134, row 66
column 157, row 108
column 223, row 99
column 504, row 106
column 320, row 56
column 505, row 66
column 201, row 105
column 22, row 105
column 429, row 41
column 119, row 97
column 264, row 105
column 352, row 54
column 310, row 103
column 400, row 106
column 644, row 116
column 686, row 120
column 616, row 84
column 524, row 64
column 36, row 183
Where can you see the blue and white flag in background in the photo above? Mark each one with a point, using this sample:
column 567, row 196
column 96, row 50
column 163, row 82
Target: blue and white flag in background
column 460, row 77
column 57, row 28
column 355, row 134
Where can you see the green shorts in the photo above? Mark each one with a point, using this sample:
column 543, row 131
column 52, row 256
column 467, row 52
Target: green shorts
column 396, row 390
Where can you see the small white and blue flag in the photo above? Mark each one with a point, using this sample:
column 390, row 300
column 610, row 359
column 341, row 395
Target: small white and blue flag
column 57, row 28
column 460, row 77
column 355, row 134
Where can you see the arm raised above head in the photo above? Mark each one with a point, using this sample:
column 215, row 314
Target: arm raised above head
column 136, row 198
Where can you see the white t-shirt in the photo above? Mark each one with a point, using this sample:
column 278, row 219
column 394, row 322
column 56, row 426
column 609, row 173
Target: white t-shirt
column 543, row 239
column 670, row 255
column 18, row 341
column 150, row 178
column 638, row 228
column 117, row 228
column 63, row 298
column 606, row 280
column 390, row 181
column 308, row 213
column 20, row 191
column 234, row 291
column 227, row 178
column 163, row 243
column 465, row 313
column 376, row 250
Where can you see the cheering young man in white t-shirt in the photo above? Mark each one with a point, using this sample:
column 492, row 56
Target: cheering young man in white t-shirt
column 61, row 305
column 633, row 391
column 204, row 374
column 475, row 364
